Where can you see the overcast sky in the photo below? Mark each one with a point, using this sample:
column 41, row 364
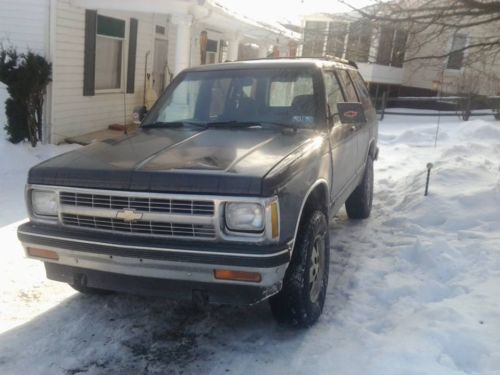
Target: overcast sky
column 278, row 10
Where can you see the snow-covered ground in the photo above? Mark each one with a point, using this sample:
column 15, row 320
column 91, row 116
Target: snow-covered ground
column 415, row 289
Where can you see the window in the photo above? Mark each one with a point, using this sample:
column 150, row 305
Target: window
column 385, row 45
column 349, row 90
column 336, row 38
column 220, row 89
column 260, row 95
column 212, row 51
column 398, row 52
column 314, row 38
column 333, row 91
column 456, row 57
column 283, row 92
column 391, row 46
column 109, row 53
column 358, row 44
column 182, row 103
column 364, row 95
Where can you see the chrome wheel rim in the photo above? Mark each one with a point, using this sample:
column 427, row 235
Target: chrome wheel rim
column 317, row 267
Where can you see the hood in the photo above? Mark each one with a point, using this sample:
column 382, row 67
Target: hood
column 178, row 160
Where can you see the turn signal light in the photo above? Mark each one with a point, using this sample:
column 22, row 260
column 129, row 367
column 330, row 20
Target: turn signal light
column 253, row 277
column 275, row 225
column 43, row 253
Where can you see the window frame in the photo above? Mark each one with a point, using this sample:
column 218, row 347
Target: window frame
column 123, row 70
column 451, row 51
column 333, row 73
column 342, row 84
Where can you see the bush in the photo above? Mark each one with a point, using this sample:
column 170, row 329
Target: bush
column 26, row 77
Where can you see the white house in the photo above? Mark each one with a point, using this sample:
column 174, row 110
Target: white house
column 103, row 50
column 381, row 50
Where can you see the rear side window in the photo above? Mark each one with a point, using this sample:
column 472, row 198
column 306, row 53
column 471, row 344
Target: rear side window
column 349, row 90
column 363, row 93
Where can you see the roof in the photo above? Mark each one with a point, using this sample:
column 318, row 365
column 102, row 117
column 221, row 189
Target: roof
column 300, row 62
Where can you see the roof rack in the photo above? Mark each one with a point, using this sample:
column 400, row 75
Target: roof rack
column 326, row 57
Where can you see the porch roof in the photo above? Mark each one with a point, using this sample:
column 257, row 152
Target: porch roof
column 207, row 11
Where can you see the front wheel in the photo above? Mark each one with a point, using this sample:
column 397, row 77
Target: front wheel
column 300, row 301
column 359, row 203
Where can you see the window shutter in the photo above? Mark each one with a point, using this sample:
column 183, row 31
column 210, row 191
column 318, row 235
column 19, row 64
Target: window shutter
column 132, row 51
column 89, row 55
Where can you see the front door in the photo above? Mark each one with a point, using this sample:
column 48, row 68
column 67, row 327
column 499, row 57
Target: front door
column 160, row 74
column 342, row 139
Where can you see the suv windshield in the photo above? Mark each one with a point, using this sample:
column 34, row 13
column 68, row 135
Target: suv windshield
column 237, row 97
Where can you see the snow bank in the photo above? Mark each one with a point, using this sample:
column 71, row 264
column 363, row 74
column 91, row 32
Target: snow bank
column 413, row 290
column 14, row 163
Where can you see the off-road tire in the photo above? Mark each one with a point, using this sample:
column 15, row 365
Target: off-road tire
column 300, row 301
column 359, row 203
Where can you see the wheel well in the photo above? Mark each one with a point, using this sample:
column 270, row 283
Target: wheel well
column 317, row 200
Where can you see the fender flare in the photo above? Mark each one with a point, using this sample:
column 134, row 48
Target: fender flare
column 318, row 182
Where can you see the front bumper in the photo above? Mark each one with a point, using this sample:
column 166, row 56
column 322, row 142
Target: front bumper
column 148, row 266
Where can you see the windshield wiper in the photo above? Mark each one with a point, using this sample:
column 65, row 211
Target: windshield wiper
column 234, row 124
column 171, row 124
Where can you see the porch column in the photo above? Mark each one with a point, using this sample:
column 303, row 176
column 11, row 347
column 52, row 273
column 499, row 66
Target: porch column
column 232, row 51
column 182, row 41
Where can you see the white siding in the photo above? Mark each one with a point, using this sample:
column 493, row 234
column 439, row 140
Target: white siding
column 73, row 113
column 24, row 25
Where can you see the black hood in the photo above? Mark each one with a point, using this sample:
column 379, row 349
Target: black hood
column 185, row 160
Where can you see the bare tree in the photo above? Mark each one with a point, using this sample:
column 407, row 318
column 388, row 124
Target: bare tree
column 461, row 35
column 428, row 20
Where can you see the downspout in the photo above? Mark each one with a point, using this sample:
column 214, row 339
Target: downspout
column 49, row 102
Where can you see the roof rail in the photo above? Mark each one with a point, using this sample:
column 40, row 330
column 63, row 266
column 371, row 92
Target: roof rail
column 338, row 59
column 326, row 57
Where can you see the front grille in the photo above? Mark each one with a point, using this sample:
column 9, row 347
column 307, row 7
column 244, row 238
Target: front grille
column 144, row 204
column 140, row 227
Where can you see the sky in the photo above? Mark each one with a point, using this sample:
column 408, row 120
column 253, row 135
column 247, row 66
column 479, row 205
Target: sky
column 293, row 10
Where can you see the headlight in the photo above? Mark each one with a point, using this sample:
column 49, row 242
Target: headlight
column 248, row 217
column 44, row 202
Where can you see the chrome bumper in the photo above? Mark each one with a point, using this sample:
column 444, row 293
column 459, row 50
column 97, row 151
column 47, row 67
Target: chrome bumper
column 194, row 266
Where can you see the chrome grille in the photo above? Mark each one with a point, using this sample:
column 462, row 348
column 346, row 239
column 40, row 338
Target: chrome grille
column 143, row 204
column 140, row 227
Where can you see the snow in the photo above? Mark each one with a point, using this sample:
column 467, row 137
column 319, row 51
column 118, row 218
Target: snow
column 413, row 290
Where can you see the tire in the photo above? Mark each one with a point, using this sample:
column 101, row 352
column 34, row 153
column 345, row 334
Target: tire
column 300, row 301
column 359, row 203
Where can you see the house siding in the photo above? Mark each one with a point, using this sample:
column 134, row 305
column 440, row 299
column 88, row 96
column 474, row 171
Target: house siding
column 24, row 25
column 75, row 114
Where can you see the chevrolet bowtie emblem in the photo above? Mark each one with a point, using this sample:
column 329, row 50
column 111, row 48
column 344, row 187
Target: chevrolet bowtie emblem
column 129, row 215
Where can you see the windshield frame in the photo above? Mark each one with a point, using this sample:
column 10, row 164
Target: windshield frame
column 320, row 121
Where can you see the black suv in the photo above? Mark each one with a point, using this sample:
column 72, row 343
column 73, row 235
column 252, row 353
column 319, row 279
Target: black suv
column 223, row 194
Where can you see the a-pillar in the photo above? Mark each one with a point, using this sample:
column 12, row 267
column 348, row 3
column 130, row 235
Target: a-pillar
column 182, row 42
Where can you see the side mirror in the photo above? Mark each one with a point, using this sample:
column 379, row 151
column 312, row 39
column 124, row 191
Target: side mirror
column 351, row 113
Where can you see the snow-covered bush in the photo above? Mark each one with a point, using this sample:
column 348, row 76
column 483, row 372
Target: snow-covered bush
column 26, row 76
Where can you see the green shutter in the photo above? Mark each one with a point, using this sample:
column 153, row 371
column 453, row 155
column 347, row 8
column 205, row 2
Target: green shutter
column 132, row 52
column 89, row 53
